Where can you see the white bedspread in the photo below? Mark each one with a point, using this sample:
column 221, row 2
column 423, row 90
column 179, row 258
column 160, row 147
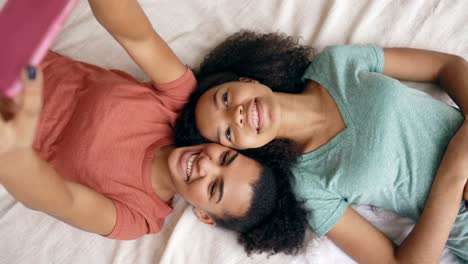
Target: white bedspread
column 192, row 27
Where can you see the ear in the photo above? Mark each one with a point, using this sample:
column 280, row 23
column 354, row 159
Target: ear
column 248, row 80
column 203, row 216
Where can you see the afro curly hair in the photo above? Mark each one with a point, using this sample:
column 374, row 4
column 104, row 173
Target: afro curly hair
column 276, row 60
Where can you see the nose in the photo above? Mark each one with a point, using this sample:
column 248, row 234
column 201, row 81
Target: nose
column 204, row 167
column 238, row 115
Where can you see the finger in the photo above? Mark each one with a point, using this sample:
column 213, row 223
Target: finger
column 30, row 100
column 29, row 106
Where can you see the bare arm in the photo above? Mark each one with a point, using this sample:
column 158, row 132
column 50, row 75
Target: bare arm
column 34, row 182
column 450, row 71
column 37, row 185
column 425, row 243
column 127, row 23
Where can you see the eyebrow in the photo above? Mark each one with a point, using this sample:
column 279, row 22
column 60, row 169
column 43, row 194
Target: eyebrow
column 218, row 135
column 232, row 159
column 215, row 102
column 221, row 191
column 221, row 184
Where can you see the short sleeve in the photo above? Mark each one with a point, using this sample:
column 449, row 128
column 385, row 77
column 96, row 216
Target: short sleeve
column 131, row 224
column 325, row 207
column 366, row 57
column 175, row 94
column 344, row 59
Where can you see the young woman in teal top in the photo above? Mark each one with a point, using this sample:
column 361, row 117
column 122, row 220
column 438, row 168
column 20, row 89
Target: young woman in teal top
column 365, row 137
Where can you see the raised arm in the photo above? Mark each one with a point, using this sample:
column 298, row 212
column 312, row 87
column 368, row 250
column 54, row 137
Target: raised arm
column 450, row 71
column 34, row 182
column 364, row 243
column 127, row 23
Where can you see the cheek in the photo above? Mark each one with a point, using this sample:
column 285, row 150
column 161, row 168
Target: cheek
column 264, row 139
column 194, row 195
column 246, row 141
column 251, row 140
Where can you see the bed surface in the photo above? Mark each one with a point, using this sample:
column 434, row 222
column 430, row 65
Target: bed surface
column 192, row 27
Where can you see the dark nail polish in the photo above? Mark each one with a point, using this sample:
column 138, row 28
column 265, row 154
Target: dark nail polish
column 31, row 70
column 466, row 205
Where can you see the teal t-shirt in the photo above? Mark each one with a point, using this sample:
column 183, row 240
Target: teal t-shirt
column 392, row 146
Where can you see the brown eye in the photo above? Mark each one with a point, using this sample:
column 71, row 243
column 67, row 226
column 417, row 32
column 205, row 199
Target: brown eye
column 212, row 189
column 224, row 98
column 228, row 134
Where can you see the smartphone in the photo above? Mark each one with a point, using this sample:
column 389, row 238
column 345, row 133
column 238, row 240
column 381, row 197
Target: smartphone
column 27, row 29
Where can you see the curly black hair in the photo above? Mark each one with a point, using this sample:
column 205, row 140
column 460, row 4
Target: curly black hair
column 274, row 59
column 276, row 221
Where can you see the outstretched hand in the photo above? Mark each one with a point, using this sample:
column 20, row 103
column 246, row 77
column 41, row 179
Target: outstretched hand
column 20, row 115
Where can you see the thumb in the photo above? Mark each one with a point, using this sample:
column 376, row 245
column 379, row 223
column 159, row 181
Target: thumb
column 30, row 100
column 29, row 106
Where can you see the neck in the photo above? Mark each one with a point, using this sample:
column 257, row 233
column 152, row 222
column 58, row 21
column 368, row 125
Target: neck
column 317, row 122
column 300, row 127
column 161, row 180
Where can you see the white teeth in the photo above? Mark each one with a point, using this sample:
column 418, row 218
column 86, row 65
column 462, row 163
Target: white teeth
column 188, row 171
column 254, row 115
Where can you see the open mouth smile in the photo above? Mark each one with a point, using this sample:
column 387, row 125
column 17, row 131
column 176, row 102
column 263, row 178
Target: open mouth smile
column 189, row 166
column 254, row 117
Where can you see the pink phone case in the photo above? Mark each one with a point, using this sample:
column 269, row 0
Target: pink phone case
column 27, row 29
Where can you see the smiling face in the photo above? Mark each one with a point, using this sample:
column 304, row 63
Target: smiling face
column 240, row 115
column 214, row 179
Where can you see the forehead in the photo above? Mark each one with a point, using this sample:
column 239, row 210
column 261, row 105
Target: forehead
column 208, row 96
column 238, row 180
column 224, row 86
column 207, row 99
column 206, row 114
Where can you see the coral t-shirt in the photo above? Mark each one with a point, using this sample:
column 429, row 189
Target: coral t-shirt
column 101, row 128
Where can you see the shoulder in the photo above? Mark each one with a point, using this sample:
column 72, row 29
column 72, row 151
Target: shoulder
column 308, row 185
column 343, row 50
column 363, row 53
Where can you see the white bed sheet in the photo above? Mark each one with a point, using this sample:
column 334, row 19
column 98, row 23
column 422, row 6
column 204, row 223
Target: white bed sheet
column 192, row 27
column 194, row 242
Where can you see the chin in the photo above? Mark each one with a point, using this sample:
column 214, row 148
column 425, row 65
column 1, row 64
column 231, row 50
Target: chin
column 172, row 161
